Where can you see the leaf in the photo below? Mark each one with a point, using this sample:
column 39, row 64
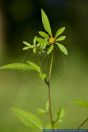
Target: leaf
column 43, row 34
column 34, row 41
column 82, row 103
column 46, row 22
column 27, row 44
column 26, row 48
column 42, row 76
column 50, row 49
column 62, row 48
column 16, row 66
column 47, row 106
column 41, row 41
column 61, row 38
column 59, row 31
column 34, row 66
column 28, row 119
column 41, row 111
column 60, row 115
column 49, row 126
column 34, row 50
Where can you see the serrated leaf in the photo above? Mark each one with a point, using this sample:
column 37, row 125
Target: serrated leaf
column 27, row 44
column 82, row 103
column 42, row 76
column 61, row 38
column 16, row 66
column 34, row 66
column 41, row 111
column 60, row 115
column 28, row 119
column 50, row 49
column 59, row 31
column 43, row 34
column 46, row 22
column 47, row 106
column 62, row 48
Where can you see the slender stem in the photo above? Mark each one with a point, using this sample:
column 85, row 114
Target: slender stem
column 47, row 81
column 83, row 123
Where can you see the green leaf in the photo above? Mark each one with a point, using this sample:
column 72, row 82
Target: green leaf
column 59, row 31
column 26, row 48
column 42, row 76
column 46, row 23
column 82, row 103
column 43, row 34
column 61, row 38
column 16, row 66
column 62, row 48
column 41, row 41
column 35, row 39
column 60, row 115
column 41, row 111
column 34, row 50
column 50, row 49
column 34, row 66
column 49, row 126
column 27, row 44
column 47, row 106
column 28, row 119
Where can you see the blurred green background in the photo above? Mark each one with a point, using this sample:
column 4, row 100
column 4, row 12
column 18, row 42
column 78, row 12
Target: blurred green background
column 20, row 20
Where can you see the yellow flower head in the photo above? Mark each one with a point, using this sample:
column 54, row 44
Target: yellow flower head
column 51, row 40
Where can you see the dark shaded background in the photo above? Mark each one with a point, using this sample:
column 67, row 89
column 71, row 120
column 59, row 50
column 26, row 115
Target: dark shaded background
column 21, row 20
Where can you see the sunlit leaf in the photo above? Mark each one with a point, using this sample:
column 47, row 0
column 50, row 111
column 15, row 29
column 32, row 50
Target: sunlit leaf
column 43, row 34
column 16, row 66
column 82, row 103
column 60, row 115
column 26, row 48
column 34, row 66
column 34, row 50
column 62, row 48
column 41, row 111
column 45, row 22
column 27, row 44
column 59, row 31
column 28, row 119
column 61, row 38
column 50, row 49
column 35, row 39
column 42, row 76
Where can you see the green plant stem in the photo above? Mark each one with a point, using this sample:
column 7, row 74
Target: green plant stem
column 49, row 91
column 82, row 123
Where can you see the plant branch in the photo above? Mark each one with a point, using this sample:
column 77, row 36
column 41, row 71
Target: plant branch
column 83, row 123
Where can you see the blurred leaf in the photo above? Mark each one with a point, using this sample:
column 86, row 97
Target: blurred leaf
column 50, row 49
column 61, row 38
column 26, row 48
column 59, row 31
column 28, row 119
column 41, row 41
column 81, row 103
column 49, row 126
column 60, row 115
column 42, row 76
column 34, row 66
column 45, row 22
column 47, row 106
column 34, row 50
column 41, row 111
column 16, row 66
column 35, row 39
column 27, row 44
column 43, row 34
column 62, row 48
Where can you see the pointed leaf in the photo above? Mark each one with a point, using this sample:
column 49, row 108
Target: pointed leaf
column 28, row 119
column 62, row 48
column 34, row 66
column 45, row 22
column 59, row 31
column 82, row 103
column 26, row 48
column 60, row 115
column 50, row 49
column 34, row 41
column 34, row 50
column 43, row 34
column 41, row 41
column 16, row 66
column 27, row 44
column 41, row 111
column 61, row 38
